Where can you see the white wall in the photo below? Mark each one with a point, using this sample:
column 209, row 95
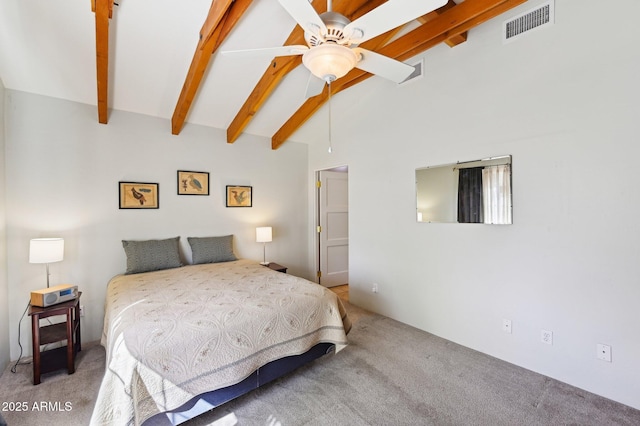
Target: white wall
column 63, row 170
column 4, row 289
column 564, row 102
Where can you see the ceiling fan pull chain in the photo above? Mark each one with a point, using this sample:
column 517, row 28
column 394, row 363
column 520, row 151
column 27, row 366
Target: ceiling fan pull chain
column 330, row 145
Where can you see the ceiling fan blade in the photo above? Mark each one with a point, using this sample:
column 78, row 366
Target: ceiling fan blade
column 383, row 66
column 305, row 15
column 297, row 49
column 315, row 86
column 388, row 16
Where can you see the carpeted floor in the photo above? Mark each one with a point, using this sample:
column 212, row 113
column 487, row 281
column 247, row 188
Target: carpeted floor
column 390, row 374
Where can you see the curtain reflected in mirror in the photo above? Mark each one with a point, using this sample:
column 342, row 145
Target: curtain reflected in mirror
column 470, row 208
column 470, row 192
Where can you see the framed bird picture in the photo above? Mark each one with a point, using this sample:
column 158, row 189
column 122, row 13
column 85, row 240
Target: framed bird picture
column 238, row 196
column 193, row 183
column 139, row 195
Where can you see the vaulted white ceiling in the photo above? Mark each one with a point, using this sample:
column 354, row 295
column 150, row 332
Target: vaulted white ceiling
column 49, row 48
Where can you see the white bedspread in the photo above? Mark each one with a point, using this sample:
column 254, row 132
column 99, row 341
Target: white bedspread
column 171, row 335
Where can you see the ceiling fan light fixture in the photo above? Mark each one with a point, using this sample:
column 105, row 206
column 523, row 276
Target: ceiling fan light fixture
column 329, row 61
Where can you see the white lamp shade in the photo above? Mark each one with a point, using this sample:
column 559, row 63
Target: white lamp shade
column 263, row 234
column 329, row 61
column 46, row 250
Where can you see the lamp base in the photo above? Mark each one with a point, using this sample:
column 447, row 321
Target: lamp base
column 265, row 263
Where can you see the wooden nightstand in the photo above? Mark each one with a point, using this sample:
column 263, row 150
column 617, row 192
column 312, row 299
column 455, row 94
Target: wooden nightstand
column 62, row 357
column 277, row 267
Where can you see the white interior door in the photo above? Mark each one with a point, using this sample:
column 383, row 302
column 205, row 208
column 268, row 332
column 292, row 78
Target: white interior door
column 333, row 214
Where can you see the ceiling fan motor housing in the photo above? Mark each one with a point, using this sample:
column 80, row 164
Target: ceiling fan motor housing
column 335, row 23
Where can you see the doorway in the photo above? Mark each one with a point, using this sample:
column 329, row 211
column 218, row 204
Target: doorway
column 333, row 226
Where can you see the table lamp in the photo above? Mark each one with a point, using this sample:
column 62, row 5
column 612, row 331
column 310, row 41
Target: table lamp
column 263, row 235
column 46, row 250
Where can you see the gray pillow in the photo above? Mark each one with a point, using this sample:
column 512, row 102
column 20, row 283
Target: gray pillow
column 151, row 255
column 212, row 249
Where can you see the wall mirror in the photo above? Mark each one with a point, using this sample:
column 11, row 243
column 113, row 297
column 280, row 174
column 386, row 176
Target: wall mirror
column 476, row 191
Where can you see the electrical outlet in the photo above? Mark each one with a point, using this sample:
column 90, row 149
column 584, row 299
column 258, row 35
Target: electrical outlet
column 603, row 352
column 506, row 326
column 81, row 310
column 546, row 337
column 374, row 288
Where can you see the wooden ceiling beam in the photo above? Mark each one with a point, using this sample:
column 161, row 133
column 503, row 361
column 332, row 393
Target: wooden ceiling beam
column 272, row 76
column 441, row 30
column 223, row 16
column 456, row 39
column 103, row 10
column 456, row 20
column 281, row 66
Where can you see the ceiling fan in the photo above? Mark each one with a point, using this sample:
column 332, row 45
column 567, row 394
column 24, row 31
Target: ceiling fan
column 333, row 40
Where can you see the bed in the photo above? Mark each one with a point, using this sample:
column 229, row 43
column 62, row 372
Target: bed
column 207, row 332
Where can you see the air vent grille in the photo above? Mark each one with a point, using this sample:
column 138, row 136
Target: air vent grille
column 536, row 18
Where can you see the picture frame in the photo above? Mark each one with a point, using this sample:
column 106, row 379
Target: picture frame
column 239, row 196
column 193, row 183
column 139, row 195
